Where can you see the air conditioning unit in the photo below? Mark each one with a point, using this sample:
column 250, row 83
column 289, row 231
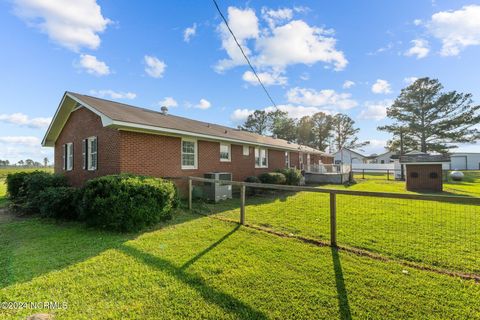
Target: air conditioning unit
column 217, row 191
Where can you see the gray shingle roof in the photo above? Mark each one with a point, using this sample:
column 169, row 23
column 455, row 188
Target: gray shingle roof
column 135, row 115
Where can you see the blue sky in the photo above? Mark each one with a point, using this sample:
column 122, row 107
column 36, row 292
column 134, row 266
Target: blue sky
column 350, row 56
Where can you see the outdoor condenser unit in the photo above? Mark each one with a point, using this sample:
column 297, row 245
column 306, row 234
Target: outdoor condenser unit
column 218, row 191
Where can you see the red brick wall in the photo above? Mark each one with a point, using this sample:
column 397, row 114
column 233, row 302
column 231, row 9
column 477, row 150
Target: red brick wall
column 160, row 156
column 82, row 124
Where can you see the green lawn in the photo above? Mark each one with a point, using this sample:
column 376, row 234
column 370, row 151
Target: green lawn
column 198, row 268
column 442, row 235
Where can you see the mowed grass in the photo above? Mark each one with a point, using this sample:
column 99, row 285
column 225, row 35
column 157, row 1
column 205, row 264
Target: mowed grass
column 202, row 268
column 439, row 234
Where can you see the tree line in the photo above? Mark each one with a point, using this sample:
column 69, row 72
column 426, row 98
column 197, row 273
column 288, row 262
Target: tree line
column 423, row 117
column 29, row 163
column 320, row 131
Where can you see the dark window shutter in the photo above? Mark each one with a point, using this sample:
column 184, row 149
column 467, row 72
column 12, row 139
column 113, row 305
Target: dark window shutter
column 96, row 152
column 73, row 156
column 64, row 156
column 84, row 153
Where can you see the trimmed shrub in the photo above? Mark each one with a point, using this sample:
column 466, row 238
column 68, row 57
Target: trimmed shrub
column 127, row 203
column 272, row 178
column 59, row 202
column 24, row 188
column 252, row 179
column 292, row 175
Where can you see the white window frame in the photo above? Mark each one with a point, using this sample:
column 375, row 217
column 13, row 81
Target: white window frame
column 229, row 147
column 90, row 154
column 287, row 159
column 258, row 151
column 69, row 156
column 195, row 154
column 246, row 151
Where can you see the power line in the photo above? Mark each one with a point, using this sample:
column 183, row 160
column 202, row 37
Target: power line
column 244, row 54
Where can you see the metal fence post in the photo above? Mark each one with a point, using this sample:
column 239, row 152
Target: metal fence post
column 388, row 174
column 190, row 195
column 333, row 219
column 242, row 205
column 363, row 173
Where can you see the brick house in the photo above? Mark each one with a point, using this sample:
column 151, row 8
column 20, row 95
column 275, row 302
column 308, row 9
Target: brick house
column 94, row 137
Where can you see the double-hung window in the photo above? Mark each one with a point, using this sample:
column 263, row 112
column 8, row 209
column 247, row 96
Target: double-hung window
column 225, row 152
column 261, row 158
column 68, row 156
column 90, row 154
column 287, row 159
column 246, row 151
column 189, row 154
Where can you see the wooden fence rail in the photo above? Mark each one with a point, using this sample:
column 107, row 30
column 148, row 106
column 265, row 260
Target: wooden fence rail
column 333, row 198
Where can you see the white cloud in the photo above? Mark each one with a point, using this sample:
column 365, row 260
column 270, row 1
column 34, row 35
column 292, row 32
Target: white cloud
column 154, row 67
column 189, row 33
column 244, row 24
column 113, row 94
column 168, row 102
column 417, row 22
column 456, row 29
column 93, row 66
column 410, row 80
column 240, row 115
column 282, row 43
column 298, row 43
column 274, row 17
column 381, row 86
column 419, row 48
column 327, row 98
column 22, row 140
column 376, row 146
column 15, row 148
column 348, row 84
column 24, row 120
column 203, row 104
column 375, row 110
column 267, row 78
column 72, row 24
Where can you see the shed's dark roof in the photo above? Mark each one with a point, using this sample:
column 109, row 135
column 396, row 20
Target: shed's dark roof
column 415, row 158
column 135, row 115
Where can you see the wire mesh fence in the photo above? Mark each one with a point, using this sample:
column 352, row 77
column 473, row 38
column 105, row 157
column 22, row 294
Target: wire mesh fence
column 440, row 232
column 376, row 174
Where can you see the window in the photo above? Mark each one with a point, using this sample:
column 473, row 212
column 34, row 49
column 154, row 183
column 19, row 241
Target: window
column 225, row 152
column 69, row 156
column 261, row 158
column 287, row 159
column 246, row 151
column 92, row 154
column 414, row 175
column 189, row 154
column 433, row 175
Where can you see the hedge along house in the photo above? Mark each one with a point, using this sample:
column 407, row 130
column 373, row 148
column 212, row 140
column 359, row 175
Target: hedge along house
column 424, row 172
column 94, row 137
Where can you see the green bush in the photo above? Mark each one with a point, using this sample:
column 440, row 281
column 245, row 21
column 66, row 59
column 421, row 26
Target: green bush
column 292, row 175
column 252, row 179
column 272, row 178
column 59, row 203
column 24, row 188
column 126, row 202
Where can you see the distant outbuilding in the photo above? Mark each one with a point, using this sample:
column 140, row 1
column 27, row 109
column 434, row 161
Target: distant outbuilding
column 424, row 171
